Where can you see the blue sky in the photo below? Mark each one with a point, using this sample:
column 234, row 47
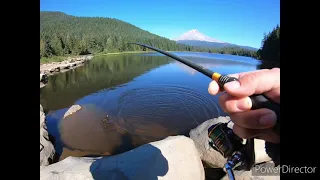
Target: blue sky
column 241, row 22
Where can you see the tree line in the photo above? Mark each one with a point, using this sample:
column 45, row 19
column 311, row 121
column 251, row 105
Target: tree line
column 269, row 52
column 63, row 35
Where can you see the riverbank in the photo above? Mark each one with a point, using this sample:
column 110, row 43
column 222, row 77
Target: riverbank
column 137, row 52
column 69, row 63
column 47, row 151
column 167, row 157
column 47, row 69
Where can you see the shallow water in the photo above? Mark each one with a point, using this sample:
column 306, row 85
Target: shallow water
column 141, row 97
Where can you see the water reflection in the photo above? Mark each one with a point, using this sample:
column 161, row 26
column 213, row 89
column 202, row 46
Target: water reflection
column 130, row 100
column 100, row 73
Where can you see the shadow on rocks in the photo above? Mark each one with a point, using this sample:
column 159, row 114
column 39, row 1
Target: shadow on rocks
column 145, row 162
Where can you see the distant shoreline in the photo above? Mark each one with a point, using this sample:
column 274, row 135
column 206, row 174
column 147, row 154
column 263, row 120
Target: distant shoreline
column 63, row 65
column 138, row 52
column 56, row 59
column 124, row 52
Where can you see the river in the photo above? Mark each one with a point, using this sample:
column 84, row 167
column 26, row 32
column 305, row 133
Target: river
column 145, row 97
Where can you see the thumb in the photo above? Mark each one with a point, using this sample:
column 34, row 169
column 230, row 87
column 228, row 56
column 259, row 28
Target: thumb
column 255, row 82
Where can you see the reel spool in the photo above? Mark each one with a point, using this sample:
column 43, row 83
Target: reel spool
column 239, row 156
column 224, row 140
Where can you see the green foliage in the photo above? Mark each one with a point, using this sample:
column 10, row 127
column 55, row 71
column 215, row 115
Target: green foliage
column 62, row 35
column 270, row 50
column 236, row 51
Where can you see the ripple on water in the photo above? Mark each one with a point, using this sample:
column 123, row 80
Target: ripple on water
column 174, row 108
column 141, row 115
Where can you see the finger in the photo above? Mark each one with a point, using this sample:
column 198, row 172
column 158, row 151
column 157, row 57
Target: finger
column 256, row 82
column 237, row 75
column 255, row 119
column 274, row 95
column 244, row 132
column 269, row 136
column 213, row 88
column 231, row 104
column 265, row 134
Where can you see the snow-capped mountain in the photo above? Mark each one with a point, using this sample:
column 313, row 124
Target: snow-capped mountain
column 196, row 35
column 196, row 38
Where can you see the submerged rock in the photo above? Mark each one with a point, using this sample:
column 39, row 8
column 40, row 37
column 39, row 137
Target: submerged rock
column 72, row 110
column 175, row 157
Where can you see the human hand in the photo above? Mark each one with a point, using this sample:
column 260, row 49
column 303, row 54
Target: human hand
column 251, row 123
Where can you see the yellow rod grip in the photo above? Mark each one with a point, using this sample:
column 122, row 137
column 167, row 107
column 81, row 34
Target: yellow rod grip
column 216, row 76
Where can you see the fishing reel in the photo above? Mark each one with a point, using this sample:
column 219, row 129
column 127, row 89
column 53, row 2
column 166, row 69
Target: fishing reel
column 239, row 156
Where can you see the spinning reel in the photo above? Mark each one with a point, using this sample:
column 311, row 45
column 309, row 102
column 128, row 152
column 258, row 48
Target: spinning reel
column 239, row 156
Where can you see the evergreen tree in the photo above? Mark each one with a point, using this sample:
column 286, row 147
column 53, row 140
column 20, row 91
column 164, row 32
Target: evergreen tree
column 62, row 34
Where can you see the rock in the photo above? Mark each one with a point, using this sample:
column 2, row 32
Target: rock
column 42, row 85
column 212, row 157
column 43, row 78
column 57, row 67
column 72, row 110
column 83, row 128
column 47, row 151
column 175, row 157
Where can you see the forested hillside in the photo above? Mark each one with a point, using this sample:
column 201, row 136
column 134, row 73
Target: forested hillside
column 62, row 35
column 269, row 53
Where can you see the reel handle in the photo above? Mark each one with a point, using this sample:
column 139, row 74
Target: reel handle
column 258, row 101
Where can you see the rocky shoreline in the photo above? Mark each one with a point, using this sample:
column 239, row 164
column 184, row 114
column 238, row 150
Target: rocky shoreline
column 60, row 67
column 47, row 150
column 165, row 159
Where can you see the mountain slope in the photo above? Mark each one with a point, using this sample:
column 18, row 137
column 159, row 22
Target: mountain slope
column 62, row 34
column 196, row 38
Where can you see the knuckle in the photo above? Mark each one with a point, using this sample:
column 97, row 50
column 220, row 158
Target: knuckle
column 275, row 69
column 251, row 81
column 250, row 78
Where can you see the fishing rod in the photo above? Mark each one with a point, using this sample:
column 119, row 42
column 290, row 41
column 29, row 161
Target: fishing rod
column 258, row 100
column 222, row 139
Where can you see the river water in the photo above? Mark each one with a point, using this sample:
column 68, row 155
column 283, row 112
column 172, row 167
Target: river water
column 131, row 99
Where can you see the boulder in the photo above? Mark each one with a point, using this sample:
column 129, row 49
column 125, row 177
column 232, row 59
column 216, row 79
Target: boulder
column 47, row 151
column 175, row 157
column 43, row 78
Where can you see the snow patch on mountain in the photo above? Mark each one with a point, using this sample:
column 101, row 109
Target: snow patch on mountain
column 198, row 36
